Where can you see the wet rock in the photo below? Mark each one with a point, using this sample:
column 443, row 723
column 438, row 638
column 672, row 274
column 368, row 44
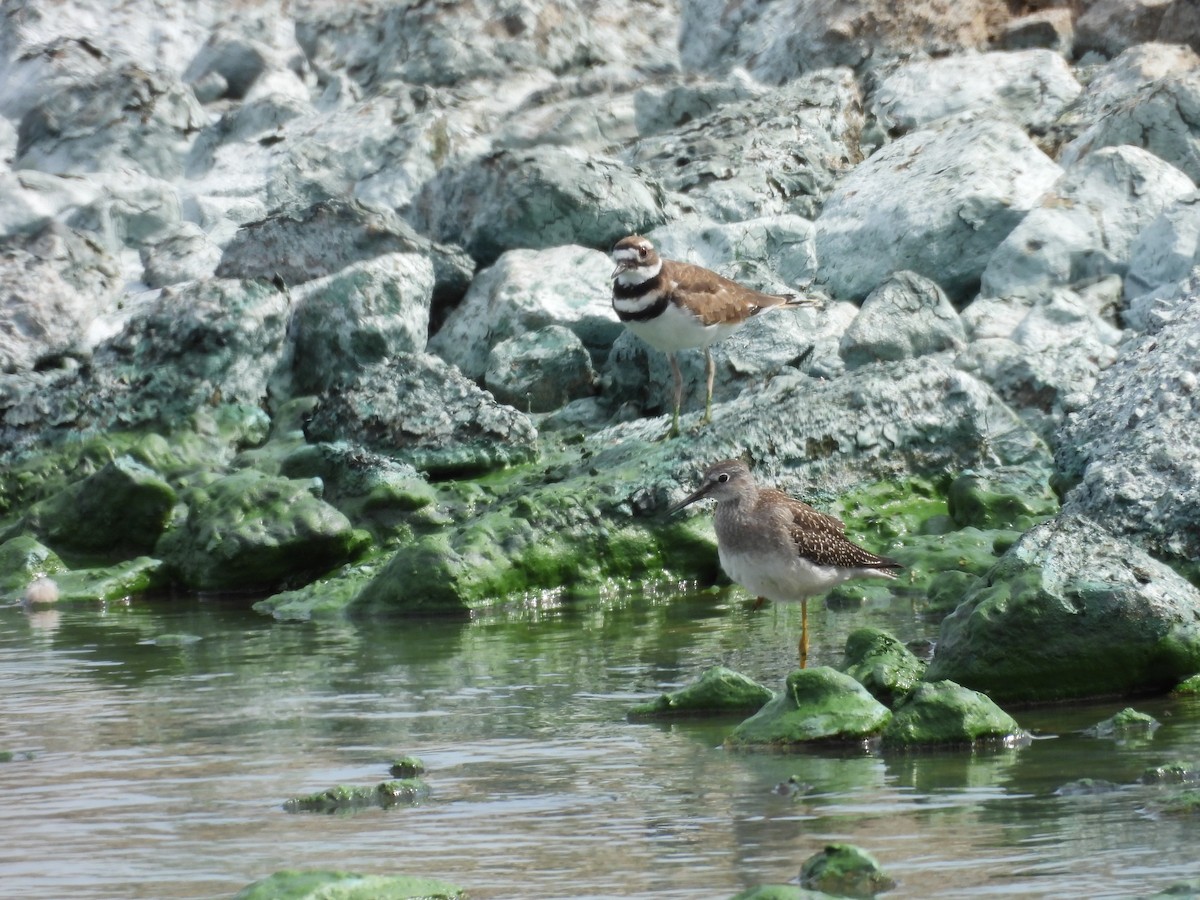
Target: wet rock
column 1071, row 611
column 943, row 713
column 408, row 791
column 778, row 41
column 937, row 202
column 421, row 410
column 362, row 315
column 527, row 290
column 249, row 530
column 1083, row 227
column 124, row 506
column 1129, row 458
column 127, row 117
column 182, row 253
column 717, row 691
column 905, row 317
column 1051, row 29
column 407, row 767
column 990, row 503
column 948, row 589
column 816, row 705
column 1164, row 253
column 23, row 560
column 1126, row 723
column 881, row 664
column 538, row 198
column 845, row 871
column 318, row 885
column 540, row 371
column 1171, row 773
column 778, row 892
column 772, row 155
column 1110, row 26
column 110, row 584
column 1086, row 787
column 1189, row 685
column 1030, row 87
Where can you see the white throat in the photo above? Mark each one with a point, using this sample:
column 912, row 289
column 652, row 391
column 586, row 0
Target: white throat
column 638, row 275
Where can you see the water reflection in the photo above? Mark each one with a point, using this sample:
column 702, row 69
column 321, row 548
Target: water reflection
column 156, row 742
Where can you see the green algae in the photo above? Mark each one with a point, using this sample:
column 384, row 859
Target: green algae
column 407, row 791
column 329, row 885
column 717, row 691
column 1125, row 723
column 881, row 664
column 846, row 871
column 406, row 767
column 946, row 714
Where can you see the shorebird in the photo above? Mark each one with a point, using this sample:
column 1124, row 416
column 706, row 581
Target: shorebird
column 675, row 306
column 777, row 547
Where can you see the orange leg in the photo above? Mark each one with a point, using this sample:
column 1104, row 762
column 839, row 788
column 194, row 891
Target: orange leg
column 803, row 648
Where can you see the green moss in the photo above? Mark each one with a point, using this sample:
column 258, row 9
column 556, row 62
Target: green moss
column 944, row 713
column 120, row 581
column 23, row 559
column 880, row 512
column 346, row 797
column 718, row 691
column 816, row 705
column 846, row 871
column 972, row 503
column 1189, row 686
column 779, row 892
column 324, row 885
column 407, row 767
column 881, row 664
column 1127, row 722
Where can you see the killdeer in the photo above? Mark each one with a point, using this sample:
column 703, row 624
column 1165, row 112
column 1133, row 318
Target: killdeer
column 777, row 547
column 675, row 306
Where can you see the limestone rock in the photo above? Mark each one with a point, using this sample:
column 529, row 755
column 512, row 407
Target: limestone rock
column 905, row 317
column 540, row 371
column 937, row 202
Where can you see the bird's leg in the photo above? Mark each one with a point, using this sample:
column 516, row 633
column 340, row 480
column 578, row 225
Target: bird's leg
column 674, row 432
column 803, row 648
column 711, row 370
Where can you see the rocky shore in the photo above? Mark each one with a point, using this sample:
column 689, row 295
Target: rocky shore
column 312, row 302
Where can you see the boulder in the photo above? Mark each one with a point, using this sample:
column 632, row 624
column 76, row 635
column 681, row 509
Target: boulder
column 181, row 253
column 943, row 713
column 318, row 885
column 907, row 316
column 718, row 691
column 881, row 664
column 819, row 705
column 1111, row 26
column 844, row 870
column 1164, row 252
column 24, row 560
column 540, row 371
column 1071, row 611
column 1050, row 29
column 937, row 202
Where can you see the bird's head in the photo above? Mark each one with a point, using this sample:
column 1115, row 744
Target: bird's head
column 636, row 260
column 725, row 480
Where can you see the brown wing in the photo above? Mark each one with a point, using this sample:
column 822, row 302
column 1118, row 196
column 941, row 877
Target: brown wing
column 714, row 298
column 828, row 549
column 804, row 516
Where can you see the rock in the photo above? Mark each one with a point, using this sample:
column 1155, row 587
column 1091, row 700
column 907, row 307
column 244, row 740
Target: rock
column 943, row 713
column 976, row 501
column 1187, row 687
column 24, row 560
column 778, row 41
column 128, row 211
column 1110, row 26
column 718, row 691
column 540, row 371
column 1131, row 458
column 778, row 892
column 845, row 871
column 667, row 104
column 1171, row 773
column 1071, row 612
column 249, row 530
column 362, row 315
column 245, row 133
column 1083, row 227
column 126, row 117
column 1029, row 87
column 948, row 589
column 881, row 664
column 407, row 767
column 1052, row 29
column 527, row 290
column 1164, row 252
column 409, row 791
column 904, row 317
column 816, row 705
column 182, row 253
column 123, row 507
column 319, row 885
column 538, row 198
column 1123, row 724
column 937, row 202
column 777, row 154
column 1163, row 117
column 421, row 410
column 329, row 236
column 112, row 584
column 1084, row 787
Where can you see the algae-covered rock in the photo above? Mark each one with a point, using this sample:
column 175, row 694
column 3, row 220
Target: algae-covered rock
column 250, row 530
column 1070, row 612
column 124, row 506
column 816, row 705
column 119, row 581
column 881, row 664
column 973, row 502
column 343, row 797
column 719, row 690
column 846, row 871
column 1084, row 787
column 406, row 767
column 324, row 885
column 1126, row 723
column 948, row 589
column 22, row 560
column 778, row 892
column 1171, row 773
column 1189, row 685
column 944, row 713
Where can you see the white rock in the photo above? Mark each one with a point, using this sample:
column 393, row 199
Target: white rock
column 1166, row 250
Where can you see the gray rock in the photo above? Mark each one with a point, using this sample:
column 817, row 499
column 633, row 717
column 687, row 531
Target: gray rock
column 527, row 290
column 538, row 198
column 236, row 133
column 364, row 314
column 30, row 201
column 183, row 253
column 1052, row 29
column 1149, row 312
column 1082, row 227
column 1131, row 458
column 905, row 317
column 1110, row 26
column 778, row 153
column 778, row 41
column 1071, row 611
column 670, row 103
column 124, row 118
column 541, row 370
column 937, row 202
column 1162, row 117
column 128, row 211
column 420, row 410
column 1030, row 87
column 1165, row 251
column 593, row 112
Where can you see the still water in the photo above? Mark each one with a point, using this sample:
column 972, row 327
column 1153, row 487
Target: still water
column 155, row 742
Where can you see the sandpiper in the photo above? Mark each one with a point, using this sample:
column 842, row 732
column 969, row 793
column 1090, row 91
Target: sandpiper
column 779, row 548
column 675, row 306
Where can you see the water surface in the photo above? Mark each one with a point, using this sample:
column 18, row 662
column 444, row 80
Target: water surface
column 155, row 743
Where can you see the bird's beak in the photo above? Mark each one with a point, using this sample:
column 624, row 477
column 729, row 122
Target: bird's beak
column 698, row 494
column 618, row 270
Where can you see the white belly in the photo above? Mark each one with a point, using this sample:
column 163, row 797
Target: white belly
column 782, row 577
column 677, row 329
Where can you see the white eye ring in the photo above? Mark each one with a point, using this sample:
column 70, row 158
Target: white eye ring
column 723, row 477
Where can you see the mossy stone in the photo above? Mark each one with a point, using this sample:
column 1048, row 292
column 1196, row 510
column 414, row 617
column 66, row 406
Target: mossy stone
column 1126, row 722
column 881, row 664
column 846, row 871
column 816, row 705
column 1171, row 773
column 972, row 503
column 22, row 559
column 406, row 767
column 1190, row 685
column 107, row 584
column 779, row 892
column 944, row 713
column 324, row 885
column 948, row 589
column 718, row 691
column 343, row 796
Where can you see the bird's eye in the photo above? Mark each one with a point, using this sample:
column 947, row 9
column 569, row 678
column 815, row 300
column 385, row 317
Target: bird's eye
column 641, row 252
column 723, row 477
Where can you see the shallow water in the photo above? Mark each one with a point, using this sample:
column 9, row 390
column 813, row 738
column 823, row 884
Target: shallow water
column 150, row 766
